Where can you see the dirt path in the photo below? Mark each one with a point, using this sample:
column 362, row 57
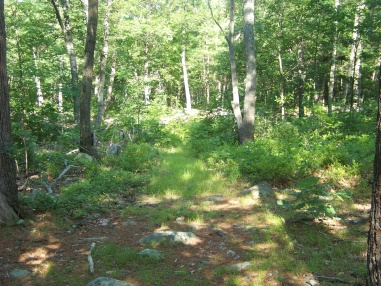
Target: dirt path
column 189, row 197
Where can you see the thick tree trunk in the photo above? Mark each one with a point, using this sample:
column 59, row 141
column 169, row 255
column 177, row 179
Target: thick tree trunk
column 102, row 75
column 374, row 236
column 9, row 208
column 251, row 74
column 66, row 29
column 86, row 136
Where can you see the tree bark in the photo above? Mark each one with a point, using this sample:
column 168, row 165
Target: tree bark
column 251, row 74
column 86, row 143
column 233, row 66
column 66, row 29
column 110, row 85
column 102, row 76
column 9, row 207
column 332, row 73
column 186, row 84
column 374, row 235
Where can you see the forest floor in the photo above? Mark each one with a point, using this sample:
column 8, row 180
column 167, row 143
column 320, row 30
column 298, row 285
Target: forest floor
column 231, row 229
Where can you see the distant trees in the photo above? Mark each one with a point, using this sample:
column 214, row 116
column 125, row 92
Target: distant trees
column 155, row 52
column 9, row 209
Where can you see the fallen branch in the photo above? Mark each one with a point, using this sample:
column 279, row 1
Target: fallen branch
column 49, row 187
column 90, row 259
column 331, row 279
column 75, row 151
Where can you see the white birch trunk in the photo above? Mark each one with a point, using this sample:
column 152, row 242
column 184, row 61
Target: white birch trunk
column 40, row 98
column 186, row 84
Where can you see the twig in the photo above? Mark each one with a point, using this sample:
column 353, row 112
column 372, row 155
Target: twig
column 90, row 259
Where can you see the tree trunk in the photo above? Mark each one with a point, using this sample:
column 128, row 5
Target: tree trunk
column 102, row 76
column 233, row 66
column 9, row 207
column 86, row 136
column 186, row 84
column 374, row 235
column 251, row 74
column 66, row 29
column 300, row 79
column 110, row 85
column 332, row 73
column 60, row 97
column 37, row 80
column 353, row 56
column 147, row 87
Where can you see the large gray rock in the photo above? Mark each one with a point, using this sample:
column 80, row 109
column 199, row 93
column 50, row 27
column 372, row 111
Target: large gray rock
column 106, row 281
column 84, row 158
column 262, row 189
column 114, row 150
column 187, row 238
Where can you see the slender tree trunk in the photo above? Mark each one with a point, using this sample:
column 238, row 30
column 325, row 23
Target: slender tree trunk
column 374, row 235
column 66, row 29
column 60, row 98
column 147, row 87
column 102, row 75
column 282, row 84
column 300, row 79
column 37, row 80
column 9, row 206
column 332, row 73
column 233, row 66
column 186, row 84
column 251, row 74
column 86, row 136
column 357, row 79
column 349, row 84
column 110, row 86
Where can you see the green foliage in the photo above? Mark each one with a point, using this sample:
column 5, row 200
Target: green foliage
column 133, row 158
column 210, row 133
column 313, row 198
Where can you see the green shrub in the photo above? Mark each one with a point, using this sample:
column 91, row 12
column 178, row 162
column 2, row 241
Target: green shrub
column 134, row 158
column 211, row 132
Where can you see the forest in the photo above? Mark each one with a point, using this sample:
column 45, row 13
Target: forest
column 244, row 136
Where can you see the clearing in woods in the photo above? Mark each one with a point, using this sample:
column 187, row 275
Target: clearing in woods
column 185, row 195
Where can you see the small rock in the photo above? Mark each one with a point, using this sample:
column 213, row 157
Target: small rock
column 187, row 238
column 240, row 266
column 19, row 273
column 230, row 253
column 106, row 281
column 103, row 221
column 153, row 253
column 262, row 189
column 129, row 222
column 180, row 219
